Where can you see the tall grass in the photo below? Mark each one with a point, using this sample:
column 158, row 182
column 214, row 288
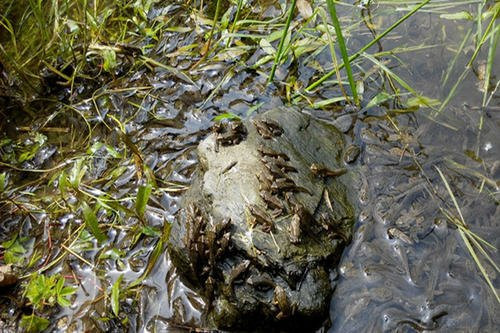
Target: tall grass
column 279, row 53
column 470, row 239
column 368, row 45
column 343, row 49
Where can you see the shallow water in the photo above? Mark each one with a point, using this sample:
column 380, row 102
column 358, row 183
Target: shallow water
column 407, row 268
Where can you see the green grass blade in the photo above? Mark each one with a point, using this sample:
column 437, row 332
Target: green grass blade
column 450, row 192
column 91, row 222
column 343, row 49
column 478, row 263
column 235, row 21
column 495, row 36
column 457, row 54
column 142, row 199
column 278, row 56
column 422, row 99
column 115, row 296
column 322, row 14
column 454, row 89
column 486, row 34
column 465, row 233
column 367, row 46
column 155, row 254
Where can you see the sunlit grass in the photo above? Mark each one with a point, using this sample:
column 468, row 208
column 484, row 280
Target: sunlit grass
column 343, row 49
column 279, row 52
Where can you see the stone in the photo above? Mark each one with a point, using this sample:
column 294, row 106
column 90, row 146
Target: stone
column 259, row 233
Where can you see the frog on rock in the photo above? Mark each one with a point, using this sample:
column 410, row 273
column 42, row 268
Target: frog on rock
column 253, row 238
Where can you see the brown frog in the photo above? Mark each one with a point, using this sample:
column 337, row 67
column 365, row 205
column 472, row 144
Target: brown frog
column 266, row 151
column 261, row 217
column 236, row 273
column 272, row 202
column 275, row 171
column 279, row 162
column 267, row 128
column 265, row 181
column 322, row 171
column 281, row 185
column 280, row 299
column 229, row 133
column 294, row 229
column 262, row 282
column 351, row 153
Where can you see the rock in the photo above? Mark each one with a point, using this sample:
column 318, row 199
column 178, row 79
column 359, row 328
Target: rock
column 259, row 231
column 7, row 277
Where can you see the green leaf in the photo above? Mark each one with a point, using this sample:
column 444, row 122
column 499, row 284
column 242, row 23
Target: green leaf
column 155, row 254
column 113, row 253
column 227, row 115
column 142, row 199
column 34, row 324
column 380, row 98
column 112, row 151
column 109, row 57
column 76, row 173
column 329, row 101
column 92, row 223
column 62, row 291
column 115, row 295
column 151, row 232
column 422, row 101
column 267, row 47
column 254, row 108
column 463, row 15
column 3, row 181
column 39, row 290
column 14, row 251
column 63, row 182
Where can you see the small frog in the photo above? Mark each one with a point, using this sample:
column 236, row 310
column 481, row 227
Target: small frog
column 396, row 233
column 284, row 166
column 229, row 133
column 266, row 151
column 261, row 282
column 267, row 128
column 223, row 244
column 260, row 216
column 236, row 273
column 294, row 229
column 280, row 299
column 262, row 129
column 275, row 171
column 287, row 185
column 278, row 162
column 194, row 224
column 351, row 153
column 273, row 126
column 272, row 201
column 264, row 181
column 322, row 171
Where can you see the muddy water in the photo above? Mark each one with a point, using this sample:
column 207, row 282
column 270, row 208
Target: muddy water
column 407, row 269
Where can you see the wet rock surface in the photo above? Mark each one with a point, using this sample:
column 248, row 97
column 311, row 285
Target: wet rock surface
column 265, row 220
